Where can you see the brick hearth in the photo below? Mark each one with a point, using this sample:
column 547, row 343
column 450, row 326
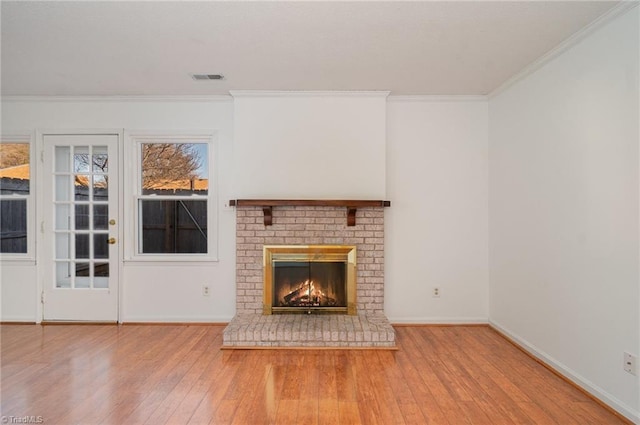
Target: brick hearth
column 301, row 330
column 309, row 225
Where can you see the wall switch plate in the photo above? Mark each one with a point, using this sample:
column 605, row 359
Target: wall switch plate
column 630, row 363
column 436, row 292
column 206, row 290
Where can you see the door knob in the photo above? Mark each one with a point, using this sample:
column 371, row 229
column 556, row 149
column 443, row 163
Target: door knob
column 111, row 241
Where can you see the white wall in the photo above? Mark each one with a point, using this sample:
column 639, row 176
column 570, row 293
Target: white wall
column 151, row 291
column 563, row 210
column 436, row 228
column 309, row 145
column 433, row 169
column 18, row 293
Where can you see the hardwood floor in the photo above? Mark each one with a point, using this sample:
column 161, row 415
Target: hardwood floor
column 107, row 374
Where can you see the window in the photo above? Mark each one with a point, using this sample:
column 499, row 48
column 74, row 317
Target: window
column 15, row 176
column 173, row 197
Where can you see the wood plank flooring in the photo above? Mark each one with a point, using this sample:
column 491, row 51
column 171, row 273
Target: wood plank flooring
column 177, row 374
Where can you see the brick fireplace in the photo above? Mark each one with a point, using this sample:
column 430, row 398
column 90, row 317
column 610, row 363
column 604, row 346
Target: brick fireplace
column 321, row 224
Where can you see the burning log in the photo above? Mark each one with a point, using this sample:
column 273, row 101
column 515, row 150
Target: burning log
column 306, row 295
column 303, row 290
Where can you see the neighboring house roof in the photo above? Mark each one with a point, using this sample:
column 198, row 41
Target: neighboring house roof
column 16, row 172
column 22, row 172
column 183, row 184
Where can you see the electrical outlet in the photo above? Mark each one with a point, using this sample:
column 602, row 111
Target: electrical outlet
column 206, row 290
column 436, row 292
column 630, row 363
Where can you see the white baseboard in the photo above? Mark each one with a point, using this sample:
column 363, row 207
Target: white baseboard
column 572, row 376
column 438, row 320
column 18, row 319
column 175, row 319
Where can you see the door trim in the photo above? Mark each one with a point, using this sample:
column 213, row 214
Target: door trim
column 41, row 261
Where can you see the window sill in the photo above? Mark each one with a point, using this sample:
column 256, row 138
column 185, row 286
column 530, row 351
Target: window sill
column 171, row 260
column 17, row 260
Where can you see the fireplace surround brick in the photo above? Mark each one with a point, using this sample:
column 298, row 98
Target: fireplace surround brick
column 304, row 225
column 309, row 225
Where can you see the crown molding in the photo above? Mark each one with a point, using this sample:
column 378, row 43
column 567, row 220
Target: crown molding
column 132, row 98
column 302, row 93
column 438, row 98
column 620, row 9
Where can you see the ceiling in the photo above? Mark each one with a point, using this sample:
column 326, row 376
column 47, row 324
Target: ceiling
column 151, row 48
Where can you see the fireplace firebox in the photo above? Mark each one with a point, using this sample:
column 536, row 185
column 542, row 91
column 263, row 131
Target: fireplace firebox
column 309, row 279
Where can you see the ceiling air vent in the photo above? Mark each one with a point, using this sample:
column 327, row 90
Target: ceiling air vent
column 203, row 77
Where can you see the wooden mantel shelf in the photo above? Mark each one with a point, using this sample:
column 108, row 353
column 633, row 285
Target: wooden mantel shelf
column 267, row 205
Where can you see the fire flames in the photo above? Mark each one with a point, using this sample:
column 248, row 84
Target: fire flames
column 307, row 294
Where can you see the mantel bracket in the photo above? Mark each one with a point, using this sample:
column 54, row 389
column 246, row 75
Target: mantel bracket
column 351, row 216
column 268, row 215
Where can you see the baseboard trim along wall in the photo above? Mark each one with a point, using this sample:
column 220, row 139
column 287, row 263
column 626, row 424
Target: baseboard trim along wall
column 599, row 395
column 438, row 320
column 175, row 320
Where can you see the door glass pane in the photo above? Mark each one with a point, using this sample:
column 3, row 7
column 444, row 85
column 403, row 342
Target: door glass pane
column 101, row 270
column 81, row 159
column 82, row 246
column 62, row 154
column 63, row 275
column 62, row 216
column 100, row 192
column 82, row 270
column 100, row 159
column 81, row 187
column 63, row 245
column 82, row 217
column 100, row 217
column 63, row 188
column 100, row 246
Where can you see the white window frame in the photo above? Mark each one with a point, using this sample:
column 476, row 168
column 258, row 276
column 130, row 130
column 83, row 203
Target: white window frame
column 132, row 199
column 30, row 255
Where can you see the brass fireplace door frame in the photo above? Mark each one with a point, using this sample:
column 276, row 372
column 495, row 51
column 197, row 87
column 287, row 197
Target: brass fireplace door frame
column 305, row 253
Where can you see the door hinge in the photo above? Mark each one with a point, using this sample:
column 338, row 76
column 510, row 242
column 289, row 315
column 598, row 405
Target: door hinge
column 42, row 297
column 42, row 227
column 42, row 156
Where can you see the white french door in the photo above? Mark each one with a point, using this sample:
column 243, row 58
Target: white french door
column 81, row 249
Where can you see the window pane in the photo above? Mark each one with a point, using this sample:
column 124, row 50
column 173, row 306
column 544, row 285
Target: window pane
column 100, row 245
column 82, row 246
column 100, row 217
column 63, row 165
column 101, row 270
column 82, row 269
column 62, row 188
column 174, row 227
column 100, row 188
column 63, row 245
column 13, row 226
column 100, row 159
column 81, row 187
column 81, row 159
column 14, row 168
column 63, row 217
column 63, row 275
column 175, row 169
column 82, row 217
